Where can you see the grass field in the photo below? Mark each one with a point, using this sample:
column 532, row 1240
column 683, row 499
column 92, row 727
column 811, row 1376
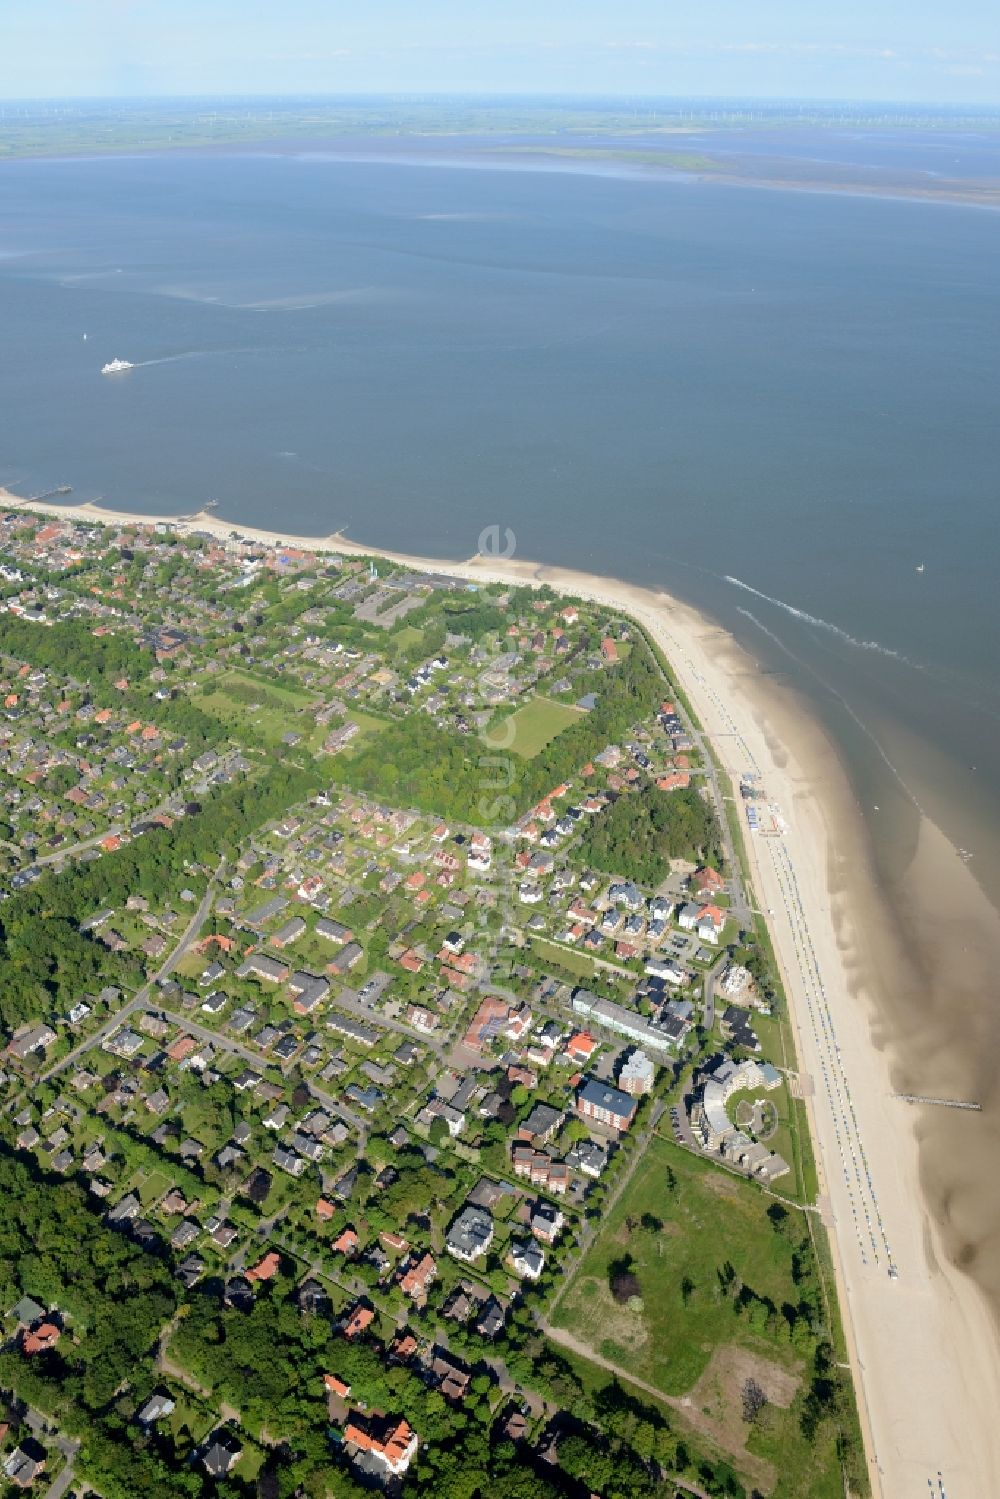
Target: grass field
column 534, row 726
column 270, row 710
column 152, row 1187
column 367, row 724
column 406, row 637
column 683, row 1335
column 565, row 958
column 708, row 1218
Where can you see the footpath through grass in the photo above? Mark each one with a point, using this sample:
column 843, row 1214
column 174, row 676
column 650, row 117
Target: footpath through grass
column 706, row 1218
column 693, row 1288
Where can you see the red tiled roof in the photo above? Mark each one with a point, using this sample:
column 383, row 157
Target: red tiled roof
column 581, row 1045
column 43, row 1337
column 267, row 1268
column 360, row 1318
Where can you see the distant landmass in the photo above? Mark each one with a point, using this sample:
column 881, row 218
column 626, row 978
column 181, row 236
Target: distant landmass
column 898, row 150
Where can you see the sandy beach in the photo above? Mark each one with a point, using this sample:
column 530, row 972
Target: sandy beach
column 923, row 1339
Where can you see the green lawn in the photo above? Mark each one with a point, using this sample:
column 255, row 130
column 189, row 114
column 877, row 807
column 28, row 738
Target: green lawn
column 189, row 1414
column 692, row 1341
column 250, row 1463
column 406, row 637
column 270, row 710
column 709, row 1218
column 567, row 958
column 532, row 727
column 153, row 1187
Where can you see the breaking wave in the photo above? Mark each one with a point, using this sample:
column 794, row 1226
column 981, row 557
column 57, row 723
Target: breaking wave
column 820, row 624
column 840, row 699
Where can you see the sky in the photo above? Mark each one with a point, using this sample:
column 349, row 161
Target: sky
column 937, row 51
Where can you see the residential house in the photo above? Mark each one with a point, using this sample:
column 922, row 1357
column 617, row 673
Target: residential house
column 390, row 1441
column 605, row 1105
column 470, row 1234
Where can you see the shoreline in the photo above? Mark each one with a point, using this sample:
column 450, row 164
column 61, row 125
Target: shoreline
column 925, row 1358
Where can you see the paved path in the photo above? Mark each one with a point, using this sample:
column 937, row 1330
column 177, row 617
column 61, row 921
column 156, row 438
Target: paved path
column 710, row 979
column 62, row 1483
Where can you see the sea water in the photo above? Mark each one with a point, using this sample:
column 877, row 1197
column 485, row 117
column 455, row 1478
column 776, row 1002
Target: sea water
column 780, row 406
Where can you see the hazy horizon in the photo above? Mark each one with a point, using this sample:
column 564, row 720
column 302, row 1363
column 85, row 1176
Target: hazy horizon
column 593, row 98
column 865, row 50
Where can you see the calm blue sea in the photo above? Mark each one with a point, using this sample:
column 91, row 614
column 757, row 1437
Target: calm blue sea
column 679, row 383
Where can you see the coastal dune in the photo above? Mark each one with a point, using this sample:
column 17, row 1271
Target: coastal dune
column 876, row 995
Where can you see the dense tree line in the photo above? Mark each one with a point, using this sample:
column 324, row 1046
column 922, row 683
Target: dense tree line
column 44, row 960
column 115, row 1297
column 643, row 830
column 415, row 763
column 96, row 662
column 270, row 1363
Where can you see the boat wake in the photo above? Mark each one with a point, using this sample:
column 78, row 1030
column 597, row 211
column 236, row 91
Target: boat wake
column 822, row 624
column 143, row 364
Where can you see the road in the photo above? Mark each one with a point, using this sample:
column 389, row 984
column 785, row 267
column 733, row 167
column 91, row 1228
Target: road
column 709, row 989
column 140, row 1000
column 169, row 806
column 68, row 850
column 61, row 1483
column 41, row 1427
column 255, row 1059
column 363, row 1012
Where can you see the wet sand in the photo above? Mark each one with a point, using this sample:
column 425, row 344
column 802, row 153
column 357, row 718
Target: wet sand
column 888, row 991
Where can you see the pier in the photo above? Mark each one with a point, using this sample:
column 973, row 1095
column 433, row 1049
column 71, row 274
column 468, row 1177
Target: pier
column 62, row 489
column 941, row 1103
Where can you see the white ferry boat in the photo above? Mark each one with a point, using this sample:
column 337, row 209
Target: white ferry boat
column 115, row 367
